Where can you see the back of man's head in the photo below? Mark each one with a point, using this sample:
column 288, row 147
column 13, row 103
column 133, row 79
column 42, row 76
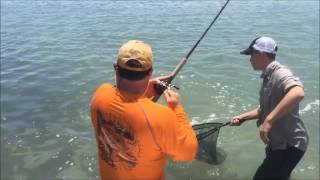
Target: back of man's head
column 135, row 60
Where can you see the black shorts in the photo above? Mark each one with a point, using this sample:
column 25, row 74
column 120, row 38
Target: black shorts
column 279, row 164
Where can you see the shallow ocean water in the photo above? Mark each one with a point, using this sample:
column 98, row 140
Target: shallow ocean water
column 54, row 54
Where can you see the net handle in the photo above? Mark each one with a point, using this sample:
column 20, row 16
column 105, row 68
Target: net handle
column 208, row 133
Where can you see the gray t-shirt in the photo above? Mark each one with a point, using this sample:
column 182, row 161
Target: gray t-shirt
column 288, row 130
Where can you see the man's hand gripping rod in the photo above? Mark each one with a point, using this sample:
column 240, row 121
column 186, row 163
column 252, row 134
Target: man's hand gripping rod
column 167, row 83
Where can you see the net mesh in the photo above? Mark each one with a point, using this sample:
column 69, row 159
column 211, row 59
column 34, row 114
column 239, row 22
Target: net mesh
column 207, row 135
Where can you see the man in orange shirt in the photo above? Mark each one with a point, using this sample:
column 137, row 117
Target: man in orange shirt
column 135, row 135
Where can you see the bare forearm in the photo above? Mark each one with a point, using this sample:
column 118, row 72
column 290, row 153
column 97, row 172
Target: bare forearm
column 238, row 120
column 286, row 105
column 254, row 114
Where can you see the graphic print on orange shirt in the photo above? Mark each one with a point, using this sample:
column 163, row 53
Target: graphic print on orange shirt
column 118, row 146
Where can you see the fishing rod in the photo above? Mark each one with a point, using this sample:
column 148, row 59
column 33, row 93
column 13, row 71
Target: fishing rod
column 167, row 83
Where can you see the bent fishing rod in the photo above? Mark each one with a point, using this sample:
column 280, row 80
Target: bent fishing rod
column 167, row 83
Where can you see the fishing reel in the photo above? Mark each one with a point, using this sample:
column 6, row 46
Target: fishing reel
column 163, row 85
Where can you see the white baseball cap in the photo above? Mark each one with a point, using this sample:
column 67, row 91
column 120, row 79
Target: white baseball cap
column 262, row 44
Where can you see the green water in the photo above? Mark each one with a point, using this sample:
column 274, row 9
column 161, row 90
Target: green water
column 54, row 54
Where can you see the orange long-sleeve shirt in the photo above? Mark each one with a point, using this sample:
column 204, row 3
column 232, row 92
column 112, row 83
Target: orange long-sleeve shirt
column 135, row 135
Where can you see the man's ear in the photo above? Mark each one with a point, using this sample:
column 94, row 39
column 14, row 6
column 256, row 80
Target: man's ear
column 116, row 68
column 151, row 71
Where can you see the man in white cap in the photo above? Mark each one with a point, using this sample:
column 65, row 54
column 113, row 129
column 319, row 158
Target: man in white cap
column 279, row 122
